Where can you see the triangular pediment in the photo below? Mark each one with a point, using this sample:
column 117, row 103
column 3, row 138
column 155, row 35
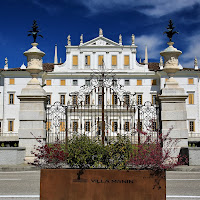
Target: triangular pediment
column 101, row 41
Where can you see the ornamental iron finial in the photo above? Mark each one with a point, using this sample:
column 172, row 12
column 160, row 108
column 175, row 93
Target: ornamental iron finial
column 170, row 31
column 34, row 31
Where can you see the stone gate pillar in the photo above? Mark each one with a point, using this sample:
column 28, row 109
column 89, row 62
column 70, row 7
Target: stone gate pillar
column 173, row 106
column 32, row 113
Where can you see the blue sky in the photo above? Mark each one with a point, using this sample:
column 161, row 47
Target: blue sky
column 147, row 19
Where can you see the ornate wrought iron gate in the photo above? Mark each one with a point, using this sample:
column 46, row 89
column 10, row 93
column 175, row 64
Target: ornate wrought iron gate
column 101, row 108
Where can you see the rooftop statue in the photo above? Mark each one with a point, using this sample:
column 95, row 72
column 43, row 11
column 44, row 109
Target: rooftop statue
column 170, row 31
column 34, row 31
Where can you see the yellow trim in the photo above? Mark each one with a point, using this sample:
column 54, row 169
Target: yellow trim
column 75, row 60
column 114, row 60
column 62, row 82
column 191, row 98
column 12, row 81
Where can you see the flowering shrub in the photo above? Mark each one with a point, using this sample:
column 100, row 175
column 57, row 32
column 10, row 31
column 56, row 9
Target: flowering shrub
column 83, row 152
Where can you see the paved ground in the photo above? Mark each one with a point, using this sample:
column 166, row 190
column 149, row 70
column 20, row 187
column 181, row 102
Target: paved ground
column 23, row 183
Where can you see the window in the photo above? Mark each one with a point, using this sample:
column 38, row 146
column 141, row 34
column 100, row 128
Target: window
column 139, row 82
column 87, row 99
column 127, row 126
column 127, row 82
column 87, row 126
column 191, row 98
column 10, row 125
column 126, row 60
column 139, row 99
column 62, row 126
column 139, row 126
column 126, row 100
column 75, row 60
column 154, row 126
column 100, row 60
column 114, row 60
column 11, row 98
column 114, row 126
column 12, row 81
column 48, row 125
column 87, row 60
column 191, row 126
column 190, row 81
column 62, row 99
column 75, row 126
column 154, row 99
column 87, row 82
column 48, row 82
column 62, row 82
column 74, row 99
column 114, row 99
column 114, row 82
column 48, row 99
column 153, row 82
column 75, row 82
column 100, row 99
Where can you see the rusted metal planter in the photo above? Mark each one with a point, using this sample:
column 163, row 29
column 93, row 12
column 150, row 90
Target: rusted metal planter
column 102, row 184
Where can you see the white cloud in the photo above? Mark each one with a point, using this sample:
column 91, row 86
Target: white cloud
column 192, row 50
column 155, row 8
column 153, row 43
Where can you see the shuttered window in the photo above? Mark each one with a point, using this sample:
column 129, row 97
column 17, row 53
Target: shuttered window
column 62, row 126
column 139, row 82
column 87, row 126
column 114, row 99
column 127, row 126
column 114, row 126
column 10, row 125
column 75, row 60
column 100, row 60
column 139, row 99
column 87, row 99
column 11, row 98
column 48, row 82
column 48, row 125
column 153, row 82
column 192, row 126
column 191, row 98
column 11, row 81
column 74, row 99
column 154, row 126
column 87, row 60
column 48, row 99
column 190, row 81
column 126, row 60
column 75, row 126
column 114, row 60
column 153, row 99
column 62, row 99
column 62, row 82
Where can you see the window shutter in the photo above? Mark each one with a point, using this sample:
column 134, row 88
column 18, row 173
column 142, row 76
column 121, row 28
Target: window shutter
column 62, row 126
column 153, row 82
column 88, row 57
column 48, row 82
column 190, row 81
column 194, row 126
column 113, row 99
column 139, row 82
column 48, row 125
column 112, row 126
column 100, row 60
column 62, row 82
column 12, row 81
column 75, row 60
column 114, row 60
column 126, row 60
column 191, row 98
column 141, row 100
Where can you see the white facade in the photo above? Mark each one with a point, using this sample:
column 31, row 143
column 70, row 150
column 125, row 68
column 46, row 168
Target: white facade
column 80, row 61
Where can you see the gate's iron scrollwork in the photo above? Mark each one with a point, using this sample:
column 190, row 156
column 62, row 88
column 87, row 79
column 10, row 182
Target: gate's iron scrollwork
column 102, row 108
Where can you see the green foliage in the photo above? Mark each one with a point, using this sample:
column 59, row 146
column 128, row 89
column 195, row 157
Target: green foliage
column 87, row 153
column 2, row 145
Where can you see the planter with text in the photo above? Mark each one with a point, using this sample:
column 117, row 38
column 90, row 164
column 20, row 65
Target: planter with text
column 102, row 184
